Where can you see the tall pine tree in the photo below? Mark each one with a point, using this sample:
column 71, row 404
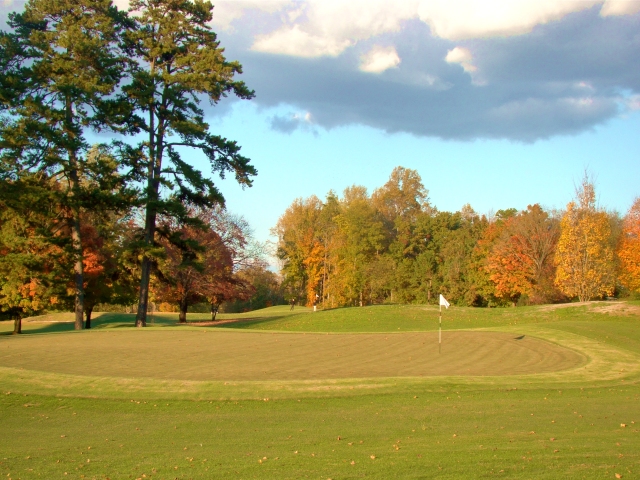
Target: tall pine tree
column 178, row 62
column 59, row 68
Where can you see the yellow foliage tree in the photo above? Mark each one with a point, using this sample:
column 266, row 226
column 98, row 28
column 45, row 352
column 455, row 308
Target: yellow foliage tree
column 629, row 249
column 584, row 257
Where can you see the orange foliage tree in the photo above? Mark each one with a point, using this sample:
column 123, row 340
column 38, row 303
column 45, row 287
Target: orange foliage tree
column 200, row 261
column 629, row 249
column 584, row 257
column 521, row 259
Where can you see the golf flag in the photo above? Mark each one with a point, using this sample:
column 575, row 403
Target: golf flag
column 443, row 301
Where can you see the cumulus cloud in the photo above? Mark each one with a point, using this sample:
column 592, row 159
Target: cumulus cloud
column 379, row 59
column 619, row 7
column 569, row 76
column 466, row 19
column 548, row 68
column 296, row 42
column 327, row 28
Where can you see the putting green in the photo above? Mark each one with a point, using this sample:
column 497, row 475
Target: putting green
column 203, row 355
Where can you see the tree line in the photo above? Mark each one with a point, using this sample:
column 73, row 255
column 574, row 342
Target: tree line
column 78, row 218
column 394, row 246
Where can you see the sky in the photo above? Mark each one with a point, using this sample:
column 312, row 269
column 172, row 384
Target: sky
column 498, row 104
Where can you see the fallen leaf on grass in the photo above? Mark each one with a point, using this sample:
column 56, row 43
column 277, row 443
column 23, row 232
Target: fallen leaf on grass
column 372, row 457
column 623, row 425
column 352, row 462
column 618, row 475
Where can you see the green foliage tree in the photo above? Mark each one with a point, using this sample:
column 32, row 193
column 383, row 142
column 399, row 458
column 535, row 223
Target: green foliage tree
column 177, row 60
column 59, row 67
column 33, row 259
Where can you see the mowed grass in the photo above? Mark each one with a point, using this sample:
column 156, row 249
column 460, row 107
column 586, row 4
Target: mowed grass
column 62, row 392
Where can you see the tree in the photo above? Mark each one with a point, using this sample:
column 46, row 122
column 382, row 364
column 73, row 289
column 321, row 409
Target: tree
column 584, row 257
column 33, row 257
column 301, row 247
column 629, row 249
column 178, row 60
column 58, row 72
column 108, row 276
column 521, row 259
column 361, row 235
column 201, row 261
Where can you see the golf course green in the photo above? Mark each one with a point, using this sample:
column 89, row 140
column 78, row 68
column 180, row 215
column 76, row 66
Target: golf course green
column 531, row 392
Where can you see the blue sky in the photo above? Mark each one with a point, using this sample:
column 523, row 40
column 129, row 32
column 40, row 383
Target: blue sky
column 497, row 104
column 489, row 174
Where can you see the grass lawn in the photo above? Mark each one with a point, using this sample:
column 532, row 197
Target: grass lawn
column 536, row 392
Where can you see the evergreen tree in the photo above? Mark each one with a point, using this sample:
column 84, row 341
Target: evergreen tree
column 178, row 60
column 59, row 68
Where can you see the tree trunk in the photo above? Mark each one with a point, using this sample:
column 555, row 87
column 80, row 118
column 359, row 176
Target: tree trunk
column 87, row 314
column 143, row 299
column 17, row 325
column 153, row 185
column 184, row 305
column 76, row 238
column 214, row 311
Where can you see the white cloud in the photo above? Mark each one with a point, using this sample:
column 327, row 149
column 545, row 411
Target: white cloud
column 620, row 7
column 465, row 19
column 330, row 27
column 379, row 59
column 294, row 41
column 226, row 12
column 462, row 56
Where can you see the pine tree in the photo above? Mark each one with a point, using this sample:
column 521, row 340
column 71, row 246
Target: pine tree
column 178, row 60
column 59, row 68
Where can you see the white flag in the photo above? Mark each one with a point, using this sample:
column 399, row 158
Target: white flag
column 443, row 301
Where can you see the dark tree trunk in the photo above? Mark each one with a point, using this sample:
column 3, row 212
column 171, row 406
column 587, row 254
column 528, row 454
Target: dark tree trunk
column 87, row 314
column 184, row 305
column 17, row 325
column 76, row 237
column 143, row 300
column 214, row 311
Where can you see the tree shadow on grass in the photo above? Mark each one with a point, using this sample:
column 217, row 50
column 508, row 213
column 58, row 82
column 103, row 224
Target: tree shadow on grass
column 239, row 323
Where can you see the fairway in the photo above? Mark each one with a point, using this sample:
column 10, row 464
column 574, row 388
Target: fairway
column 525, row 393
column 231, row 355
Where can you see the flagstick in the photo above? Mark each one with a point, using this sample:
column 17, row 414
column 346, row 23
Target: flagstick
column 440, row 332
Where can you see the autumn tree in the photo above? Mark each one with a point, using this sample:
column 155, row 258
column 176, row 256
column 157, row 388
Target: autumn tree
column 521, row 259
column 629, row 249
column 266, row 289
column 584, row 257
column 201, row 260
column 33, row 255
column 109, row 276
column 178, row 62
column 301, row 247
column 226, row 276
column 59, row 68
column 361, row 237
